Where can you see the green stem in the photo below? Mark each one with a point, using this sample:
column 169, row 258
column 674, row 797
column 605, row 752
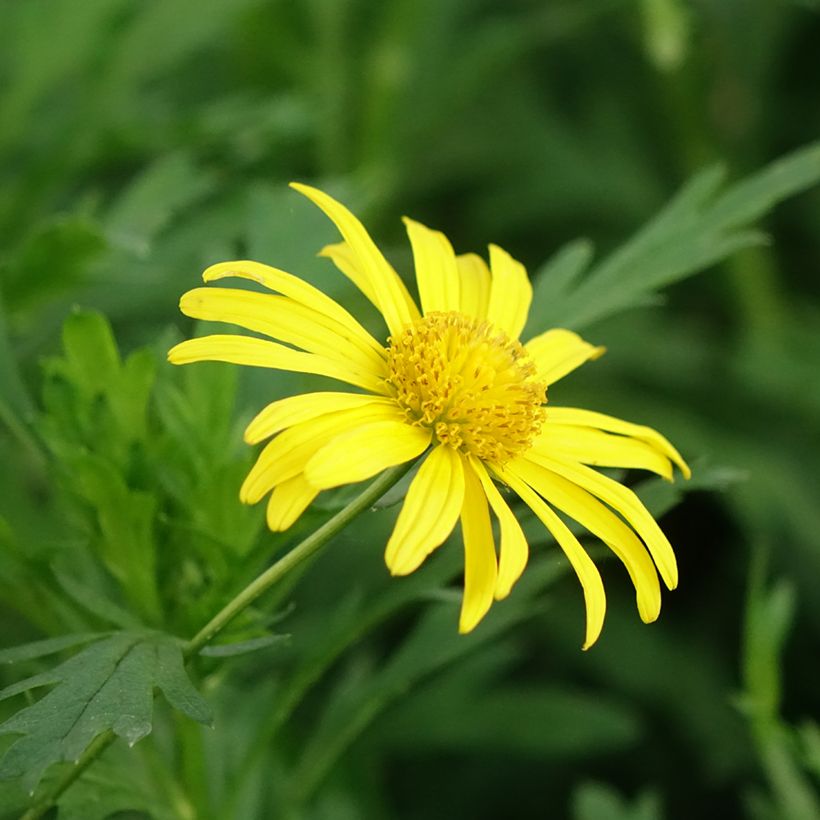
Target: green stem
column 300, row 553
column 92, row 752
column 296, row 556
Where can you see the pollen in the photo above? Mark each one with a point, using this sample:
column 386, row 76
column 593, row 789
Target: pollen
column 469, row 383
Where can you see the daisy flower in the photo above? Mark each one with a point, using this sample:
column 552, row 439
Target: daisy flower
column 453, row 385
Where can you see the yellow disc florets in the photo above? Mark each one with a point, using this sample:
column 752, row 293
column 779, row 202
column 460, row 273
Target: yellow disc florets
column 469, row 383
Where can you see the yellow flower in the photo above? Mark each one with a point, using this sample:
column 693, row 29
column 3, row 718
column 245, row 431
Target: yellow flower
column 452, row 381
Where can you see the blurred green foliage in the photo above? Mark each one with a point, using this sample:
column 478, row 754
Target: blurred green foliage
column 140, row 142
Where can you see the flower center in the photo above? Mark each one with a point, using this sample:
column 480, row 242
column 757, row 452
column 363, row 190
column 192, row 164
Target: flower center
column 469, row 383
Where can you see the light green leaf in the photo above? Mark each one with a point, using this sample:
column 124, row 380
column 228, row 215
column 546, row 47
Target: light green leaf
column 92, row 360
column 108, row 685
column 596, row 801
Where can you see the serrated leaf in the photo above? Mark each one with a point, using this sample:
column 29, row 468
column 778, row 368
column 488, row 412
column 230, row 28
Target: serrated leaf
column 108, row 685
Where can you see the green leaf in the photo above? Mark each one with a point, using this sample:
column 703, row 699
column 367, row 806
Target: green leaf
column 108, row 685
column 659, row 496
column 48, row 646
column 92, row 360
column 53, row 259
column 168, row 186
column 116, row 790
column 554, row 278
column 769, row 618
column 125, row 518
column 513, row 720
column 698, row 228
column 95, row 601
column 230, row 650
column 596, row 801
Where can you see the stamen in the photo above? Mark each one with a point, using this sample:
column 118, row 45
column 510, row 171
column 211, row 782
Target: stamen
column 469, row 383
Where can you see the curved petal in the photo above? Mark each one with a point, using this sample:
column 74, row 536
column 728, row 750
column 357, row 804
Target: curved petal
column 288, row 453
column 344, row 259
column 624, row 501
column 510, row 293
column 364, row 452
column 514, row 552
column 430, row 511
column 393, row 300
column 585, row 569
column 480, row 566
column 558, row 352
column 475, row 282
column 436, row 269
column 600, row 421
column 288, row 501
column 599, row 449
column 254, row 352
column 603, row 523
column 297, row 289
column 284, row 413
column 282, row 318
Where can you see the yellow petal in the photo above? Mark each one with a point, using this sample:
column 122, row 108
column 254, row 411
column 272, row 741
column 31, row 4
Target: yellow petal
column 294, row 287
column 284, row 413
column 345, row 260
column 624, row 501
column 514, row 552
column 284, row 319
column 436, row 270
column 480, row 566
column 254, row 352
column 430, row 511
column 288, row 501
column 364, row 452
column 510, row 293
column 590, row 446
column 577, row 503
column 585, row 569
column 558, row 352
column 474, row 285
column 392, row 297
column 288, row 453
column 600, row 421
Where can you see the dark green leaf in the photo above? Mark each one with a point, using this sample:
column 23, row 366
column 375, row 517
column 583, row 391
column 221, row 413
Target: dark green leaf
column 108, row 685
column 49, row 646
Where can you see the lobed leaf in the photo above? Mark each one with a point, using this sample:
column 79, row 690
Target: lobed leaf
column 107, row 686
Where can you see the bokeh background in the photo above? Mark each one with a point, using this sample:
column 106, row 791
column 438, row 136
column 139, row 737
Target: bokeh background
column 142, row 141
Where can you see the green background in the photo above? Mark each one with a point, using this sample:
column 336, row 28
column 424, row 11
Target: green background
column 142, row 141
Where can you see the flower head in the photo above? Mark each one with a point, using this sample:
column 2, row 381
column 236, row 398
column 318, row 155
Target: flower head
column 453, row 384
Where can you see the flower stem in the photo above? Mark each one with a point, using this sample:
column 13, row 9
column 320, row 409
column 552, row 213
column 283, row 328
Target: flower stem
column 300, row 553
column 296, row 556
